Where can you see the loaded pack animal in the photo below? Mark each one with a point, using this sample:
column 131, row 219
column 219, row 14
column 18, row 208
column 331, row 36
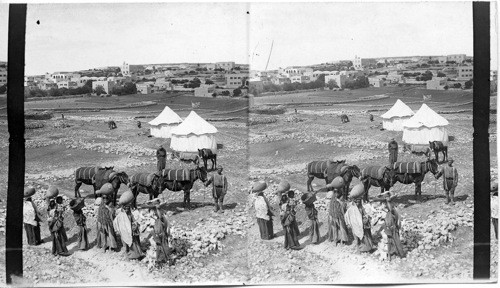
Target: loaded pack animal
column 378, row 176
column 97, row 177
column 438, row 146
column 183, row 180
column 414, row 172
column 328, row 170
column 419, row 151
column 111, row 125
column 189, row 157
column 344, row 118
column 208, row 154
column 146, row 183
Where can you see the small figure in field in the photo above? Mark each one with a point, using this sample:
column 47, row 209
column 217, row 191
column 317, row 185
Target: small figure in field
column 139, row 124
column 161, row 155
column 344, row 118
column 371, row 118
column 393, row 151
column 450, row 180
column 111, row 124
column 62, row 116
column 219, row 188
column 295, row 110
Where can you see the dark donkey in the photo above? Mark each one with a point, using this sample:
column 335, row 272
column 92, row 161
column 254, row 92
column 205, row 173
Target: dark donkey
column 328, row 170
column 183, row 180
column 97, row 177
column 414, row 172
column 438, row 146
column 208, row 154
column 378, row 176
column 145, row 183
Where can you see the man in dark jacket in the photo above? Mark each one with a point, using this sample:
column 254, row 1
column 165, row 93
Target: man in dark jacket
column 393, row 151
column 450, row 180
column 219, row 188
column 161, row 154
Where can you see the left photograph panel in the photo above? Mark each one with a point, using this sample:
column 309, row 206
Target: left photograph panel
column 136, row 144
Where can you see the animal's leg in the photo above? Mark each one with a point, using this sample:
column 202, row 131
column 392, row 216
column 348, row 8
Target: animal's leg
column 213, row 164
column 309, row 180
column 95, row 189
column 187, row 197
column 77, row 189
column 215, row 159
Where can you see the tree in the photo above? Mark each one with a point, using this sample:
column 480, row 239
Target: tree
column 129, row 88
column 209, row 82
column 331, row 84
column 441, row 74
column 380, row 65
column 99, row 90
column 236, row 92
column 321, row 78
column 468, row 84
column 457, row 85
column 225, row 93
column 445, row 87
column 214, row 94
column 55, row 92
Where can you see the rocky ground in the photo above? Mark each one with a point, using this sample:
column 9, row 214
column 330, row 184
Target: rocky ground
column 225, row 248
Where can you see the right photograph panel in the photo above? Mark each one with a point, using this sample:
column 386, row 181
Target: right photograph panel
column 360, row 143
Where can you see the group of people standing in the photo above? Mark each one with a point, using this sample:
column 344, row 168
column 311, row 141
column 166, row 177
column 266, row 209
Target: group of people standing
column 110, row 223
column 344, row 219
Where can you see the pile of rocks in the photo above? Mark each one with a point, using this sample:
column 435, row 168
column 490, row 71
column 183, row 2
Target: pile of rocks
column 262, row 120
column 61, row 124
column 34, row 125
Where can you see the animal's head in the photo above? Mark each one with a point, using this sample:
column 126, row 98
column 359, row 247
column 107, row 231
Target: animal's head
column 121, row 177
column 431, row 144
column 356, row 172
column 109, row 167
column 200, row 152
column 432, row 165
column 390, row 175
column 201, row 173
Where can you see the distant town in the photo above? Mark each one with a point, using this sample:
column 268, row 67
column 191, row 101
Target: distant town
column 432, row 72
column 229, row 79
column 203, row 79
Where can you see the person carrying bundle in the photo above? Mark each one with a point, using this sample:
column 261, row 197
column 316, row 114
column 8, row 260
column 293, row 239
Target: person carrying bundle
column 161, row 234
column 128, row 228
column 288, row 221
column 76, row 205
column 337, row 229
column 106, row 237
column 263, row 211
column 357, row 219
column 392, row 225
column 55, row 224
column 31, row 218
column 312, row 213
column 219, row 188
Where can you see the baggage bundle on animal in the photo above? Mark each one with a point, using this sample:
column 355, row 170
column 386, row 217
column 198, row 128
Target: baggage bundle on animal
column 183, row 180
column 98, row 176
column 329, row 170
column 146, row 183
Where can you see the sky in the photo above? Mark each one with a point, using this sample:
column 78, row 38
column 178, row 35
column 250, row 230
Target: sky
column 82, row 36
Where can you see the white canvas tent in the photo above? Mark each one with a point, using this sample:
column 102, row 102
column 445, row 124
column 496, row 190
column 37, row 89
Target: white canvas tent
column 192, row 134
column 394, row 119
column 426, row 125
column 163, row 124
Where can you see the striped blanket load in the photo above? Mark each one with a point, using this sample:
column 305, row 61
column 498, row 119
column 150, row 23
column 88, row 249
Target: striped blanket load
column 375, row 172
column 407, row 167
column 321, row 167
column 176, row 174
column 143, row 179
column 86, row 172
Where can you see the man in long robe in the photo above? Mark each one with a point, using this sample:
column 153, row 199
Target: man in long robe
column 393, row 151
column 55, row 223
column 450, row 180
column 337, row 229
column 219, row 188
column 161, row 155
column 392, row 225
